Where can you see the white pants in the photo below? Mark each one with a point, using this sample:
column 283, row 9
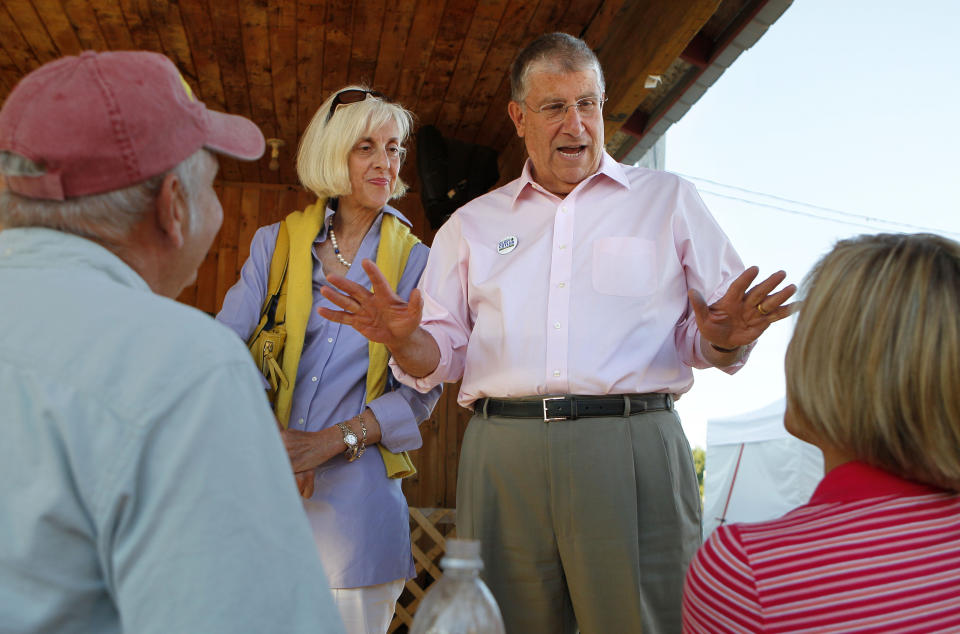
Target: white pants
column 368, row 610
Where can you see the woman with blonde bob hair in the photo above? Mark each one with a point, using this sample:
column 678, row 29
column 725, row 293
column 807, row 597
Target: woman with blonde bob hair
column 873, row 380
column 332, row 392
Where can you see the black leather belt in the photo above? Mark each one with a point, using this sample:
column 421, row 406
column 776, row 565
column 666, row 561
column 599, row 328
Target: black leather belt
column 556, row 408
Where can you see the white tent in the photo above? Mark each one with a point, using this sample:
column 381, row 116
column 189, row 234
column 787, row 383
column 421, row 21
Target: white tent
column 755, row 470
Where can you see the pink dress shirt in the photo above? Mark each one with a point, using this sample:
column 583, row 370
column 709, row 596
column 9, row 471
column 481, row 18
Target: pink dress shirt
column 527, row 293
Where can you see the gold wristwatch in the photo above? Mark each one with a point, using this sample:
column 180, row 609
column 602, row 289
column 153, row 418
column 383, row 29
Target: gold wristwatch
column 355, row 446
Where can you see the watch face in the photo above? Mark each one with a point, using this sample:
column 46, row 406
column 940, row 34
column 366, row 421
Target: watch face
column 350, row 439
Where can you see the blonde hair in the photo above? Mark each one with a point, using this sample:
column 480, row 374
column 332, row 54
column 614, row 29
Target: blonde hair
column 873, row 368
column 322, row 159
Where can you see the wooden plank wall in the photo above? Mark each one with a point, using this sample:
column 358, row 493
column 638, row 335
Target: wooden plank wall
column 248, row 206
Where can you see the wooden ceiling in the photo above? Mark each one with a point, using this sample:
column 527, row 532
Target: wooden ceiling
column 447, row 60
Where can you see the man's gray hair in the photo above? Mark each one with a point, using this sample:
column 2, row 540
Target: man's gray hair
column 570, row 54
column 110, row 215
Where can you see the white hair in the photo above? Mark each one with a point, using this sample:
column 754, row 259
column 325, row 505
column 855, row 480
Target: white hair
column 110, row 215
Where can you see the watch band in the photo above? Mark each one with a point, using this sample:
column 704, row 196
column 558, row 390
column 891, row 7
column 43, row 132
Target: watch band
column 363, row 437
column 350, row 440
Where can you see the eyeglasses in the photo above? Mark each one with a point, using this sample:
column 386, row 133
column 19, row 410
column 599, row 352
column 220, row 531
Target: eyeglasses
column 557, row 111
column 353, row 95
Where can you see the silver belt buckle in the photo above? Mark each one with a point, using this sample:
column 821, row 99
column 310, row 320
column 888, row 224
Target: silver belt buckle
column 546, row 417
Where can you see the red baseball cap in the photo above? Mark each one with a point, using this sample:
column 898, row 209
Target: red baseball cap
column 99, row 122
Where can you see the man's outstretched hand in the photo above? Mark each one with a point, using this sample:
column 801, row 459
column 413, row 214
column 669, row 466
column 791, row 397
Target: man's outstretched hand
column 380, row 315
column 740, row 316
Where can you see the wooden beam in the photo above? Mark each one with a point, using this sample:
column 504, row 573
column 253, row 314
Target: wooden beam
column 603, row 21
column 15, row 45
column 310, row 37
column 282, row 24
column 496, row 119
column 476, row 47
column 140, row 25
column 227, row 266
column 578, row 16
column 502, row 133
column 419, row 47
column 336, row 46
column 58, row 26
column 198, row 26
column 113, row 25
column 645, row 39
column 229, row 46
column 33, row 30
column 636, row 125
column 169, row 24
column 9, row 74
column 368, row 19
column 84, row 22
column 396, row 29
column 699, row 51
column 496, row 67
column 446, row 49
column 249, row 219
column 256, row 52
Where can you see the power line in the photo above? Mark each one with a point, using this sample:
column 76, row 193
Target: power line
column 848, row 218
column 790, row 211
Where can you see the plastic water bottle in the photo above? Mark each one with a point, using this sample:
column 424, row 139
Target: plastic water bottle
column 459, row 602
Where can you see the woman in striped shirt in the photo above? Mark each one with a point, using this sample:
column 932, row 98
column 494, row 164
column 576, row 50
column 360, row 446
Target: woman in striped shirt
column 873, row 379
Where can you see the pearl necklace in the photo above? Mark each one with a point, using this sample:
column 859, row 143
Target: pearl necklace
column 336, row 247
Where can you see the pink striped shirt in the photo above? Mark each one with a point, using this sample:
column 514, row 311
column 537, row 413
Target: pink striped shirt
column 870, row 552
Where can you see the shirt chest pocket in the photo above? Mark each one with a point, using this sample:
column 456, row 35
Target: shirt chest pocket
column 625, row 266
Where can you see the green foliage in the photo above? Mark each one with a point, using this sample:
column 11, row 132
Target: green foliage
column 699, row 462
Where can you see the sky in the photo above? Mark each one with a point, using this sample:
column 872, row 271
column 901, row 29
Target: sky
column 841, row 120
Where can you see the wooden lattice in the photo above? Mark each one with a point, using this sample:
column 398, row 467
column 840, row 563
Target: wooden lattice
column 429, row 530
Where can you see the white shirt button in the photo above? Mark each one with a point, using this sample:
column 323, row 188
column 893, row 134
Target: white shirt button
column 300, row 421
column 562, row 284
column 556, row 325
column 563, row 207
column 314, row 379
column 556, row 373
column 329, row 339
column 563, row 246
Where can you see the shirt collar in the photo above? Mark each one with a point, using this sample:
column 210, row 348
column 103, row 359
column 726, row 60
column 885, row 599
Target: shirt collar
column 853, row 481
column 39, row 247
column 609, row 168
column 332, row 209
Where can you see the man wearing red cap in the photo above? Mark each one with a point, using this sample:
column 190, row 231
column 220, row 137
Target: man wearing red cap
column 143, row 485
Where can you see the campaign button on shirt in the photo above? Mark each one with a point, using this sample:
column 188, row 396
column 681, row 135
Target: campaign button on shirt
column 507, row 245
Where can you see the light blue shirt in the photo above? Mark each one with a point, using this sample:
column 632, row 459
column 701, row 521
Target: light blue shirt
column 143, row 485
column 359, row 516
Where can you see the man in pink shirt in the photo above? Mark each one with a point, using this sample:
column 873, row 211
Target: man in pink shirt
column 580, row 295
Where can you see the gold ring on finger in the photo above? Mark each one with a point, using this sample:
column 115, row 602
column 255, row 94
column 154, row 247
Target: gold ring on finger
column 760, row 308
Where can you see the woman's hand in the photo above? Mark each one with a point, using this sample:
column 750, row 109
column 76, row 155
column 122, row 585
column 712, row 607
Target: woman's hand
column 305, row 483
column 310, row 449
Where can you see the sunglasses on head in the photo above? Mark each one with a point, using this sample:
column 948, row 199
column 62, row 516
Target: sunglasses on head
column 353, row 95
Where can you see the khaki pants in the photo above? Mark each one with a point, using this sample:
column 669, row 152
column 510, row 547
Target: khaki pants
column 589, row 523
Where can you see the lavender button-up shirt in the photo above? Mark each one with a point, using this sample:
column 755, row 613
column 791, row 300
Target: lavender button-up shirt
column 359, row 516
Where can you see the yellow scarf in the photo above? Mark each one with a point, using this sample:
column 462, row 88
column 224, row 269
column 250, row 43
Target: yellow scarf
column 396, row 242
